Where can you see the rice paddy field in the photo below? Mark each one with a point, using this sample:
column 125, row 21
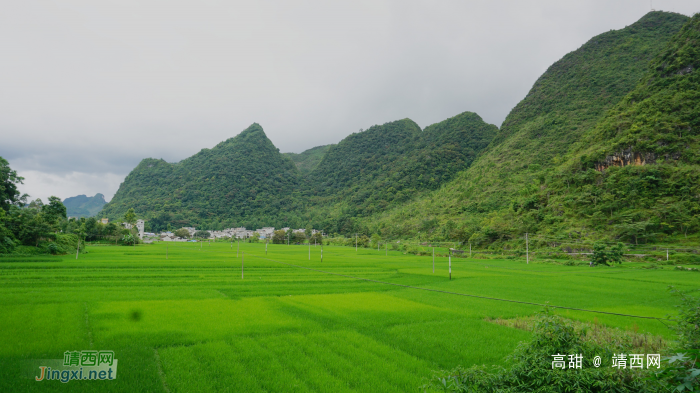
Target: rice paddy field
column 190, row 323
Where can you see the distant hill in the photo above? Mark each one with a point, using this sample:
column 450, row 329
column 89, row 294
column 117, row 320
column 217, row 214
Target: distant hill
column 390, row 164
column 308, row 160
column 244, row 180
column 84, row 206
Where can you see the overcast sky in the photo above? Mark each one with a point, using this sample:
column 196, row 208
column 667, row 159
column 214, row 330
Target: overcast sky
column 89, row 88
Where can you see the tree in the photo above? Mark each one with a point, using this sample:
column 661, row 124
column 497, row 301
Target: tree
column 36, row 204
column 112, row 230
column 9, row 194
column 202, row 234
column 183, row 233
column 316, row 238
column 130, row 217
column 603, row 255
column 279, row 237
column 7, row 243
column 30, row 226
column 54, row 211
column 254, row 238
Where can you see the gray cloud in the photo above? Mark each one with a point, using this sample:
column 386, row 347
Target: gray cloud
column 90, row 88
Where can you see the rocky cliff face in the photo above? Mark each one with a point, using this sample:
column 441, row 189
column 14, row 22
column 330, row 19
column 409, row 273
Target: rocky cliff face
column 624, row 158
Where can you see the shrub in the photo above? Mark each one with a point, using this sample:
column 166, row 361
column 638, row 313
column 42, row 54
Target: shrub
column 6, row 245
column 682, row 370
column 603, row 255
column 530, row 366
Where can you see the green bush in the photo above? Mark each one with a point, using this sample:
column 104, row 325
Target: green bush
column 602, row 255
column 687, row 259
column 6, row 245
column 682, row 370
column 530, row 367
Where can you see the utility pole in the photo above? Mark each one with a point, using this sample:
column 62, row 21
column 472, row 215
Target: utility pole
column 527, row 248
column 470, row 249
column 667, row 254
column 321, row 252
column 265, row 246
column 449, row 264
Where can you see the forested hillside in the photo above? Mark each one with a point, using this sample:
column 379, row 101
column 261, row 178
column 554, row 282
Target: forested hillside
column 84, row 206
column 390, row 164
column 565, row 102
column 636, row 174
column 244, row 180
column 308, row 160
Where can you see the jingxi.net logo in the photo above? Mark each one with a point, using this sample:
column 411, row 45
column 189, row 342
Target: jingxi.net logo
column 77, row 365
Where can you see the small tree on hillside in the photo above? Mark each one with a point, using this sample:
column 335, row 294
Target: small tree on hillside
column 603, row 255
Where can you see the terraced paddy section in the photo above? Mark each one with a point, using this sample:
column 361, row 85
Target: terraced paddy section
column 190, row 323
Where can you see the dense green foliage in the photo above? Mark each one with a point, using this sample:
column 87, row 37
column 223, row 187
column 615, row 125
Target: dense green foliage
column 500, row 196
column 638, row 171
column 682, row 370
column 241, row 181
column 604, row 255
column 9, row 194
column 531, row 369
column 283, row 329
column 245, row 181
column 33, row 228
column 308, row 160
column 84, row 206
column 635, row 176
column 388, row 164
